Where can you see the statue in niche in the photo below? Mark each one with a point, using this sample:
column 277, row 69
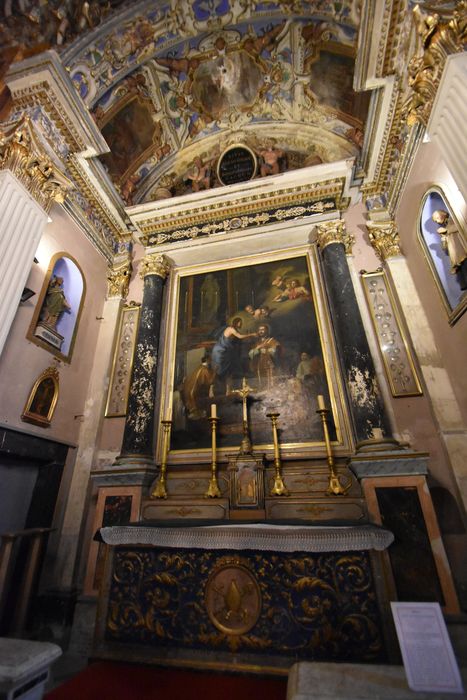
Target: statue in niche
column 453, row 244
column 55, row 303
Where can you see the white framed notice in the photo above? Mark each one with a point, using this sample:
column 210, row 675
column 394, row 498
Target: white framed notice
column 429, row 661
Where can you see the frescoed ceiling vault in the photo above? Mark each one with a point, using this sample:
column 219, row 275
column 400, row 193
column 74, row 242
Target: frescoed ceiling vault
column 171, row 85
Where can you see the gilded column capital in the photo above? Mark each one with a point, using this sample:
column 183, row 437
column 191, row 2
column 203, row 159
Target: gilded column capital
column 118, row 279
column 22, row 153
column 334, row 232
column 155, row 264
column 384, row 237
column 438, row 38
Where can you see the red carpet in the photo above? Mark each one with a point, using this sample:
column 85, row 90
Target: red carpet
column 111, row 681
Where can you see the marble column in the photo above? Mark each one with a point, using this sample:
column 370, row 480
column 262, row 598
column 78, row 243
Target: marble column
column 365, row 401
column 384, row 238
column 29, row 183
column 88, row 442
column 138, row 437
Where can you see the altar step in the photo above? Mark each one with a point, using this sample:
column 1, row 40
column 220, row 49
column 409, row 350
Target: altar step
column 114, row 681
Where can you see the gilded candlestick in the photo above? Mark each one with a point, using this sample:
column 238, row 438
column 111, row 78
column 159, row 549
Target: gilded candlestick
column 279, row 488
column 213, row 488
column 334, row 486
column 160, row 490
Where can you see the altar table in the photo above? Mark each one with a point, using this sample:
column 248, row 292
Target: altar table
column 250, row 596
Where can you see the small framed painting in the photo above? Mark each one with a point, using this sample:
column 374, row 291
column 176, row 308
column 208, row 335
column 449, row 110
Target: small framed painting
column 42, row 399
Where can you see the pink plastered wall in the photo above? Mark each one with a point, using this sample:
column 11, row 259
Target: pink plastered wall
column 413, row 416
column 22, row 361
column 429, row 169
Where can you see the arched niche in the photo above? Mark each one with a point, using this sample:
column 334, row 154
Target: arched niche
column 444, row 251
column 56, row 318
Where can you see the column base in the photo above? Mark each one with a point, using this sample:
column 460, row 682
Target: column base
column 134, row 460
column 380, row 445
column 387, row 458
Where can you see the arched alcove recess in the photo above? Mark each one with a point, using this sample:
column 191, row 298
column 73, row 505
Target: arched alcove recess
column 444, row 243
column 56, row 318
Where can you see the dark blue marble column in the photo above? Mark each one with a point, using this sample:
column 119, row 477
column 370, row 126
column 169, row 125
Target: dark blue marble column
column 138, row 437
column 365, row 400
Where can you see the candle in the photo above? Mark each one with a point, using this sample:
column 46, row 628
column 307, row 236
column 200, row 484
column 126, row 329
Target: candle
column 213, row 410
column 243, row 383
column 276, row 442
column 321, row 405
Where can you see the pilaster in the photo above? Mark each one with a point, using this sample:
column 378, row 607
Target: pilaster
column 92, row 422
column 385, row 239
column 29, row 183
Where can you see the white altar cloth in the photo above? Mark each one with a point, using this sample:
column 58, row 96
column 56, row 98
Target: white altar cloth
column 256, row 536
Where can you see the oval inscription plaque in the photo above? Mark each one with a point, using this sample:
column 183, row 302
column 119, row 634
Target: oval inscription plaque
column 238, row 163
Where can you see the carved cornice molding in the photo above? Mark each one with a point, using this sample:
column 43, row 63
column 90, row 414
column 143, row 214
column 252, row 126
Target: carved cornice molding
column 334, row 232
column 257, row 205
column 155, row 264
column 22, row 153
column 384, row 237
column 439, row 39
column 118, row 279
column 97, row 195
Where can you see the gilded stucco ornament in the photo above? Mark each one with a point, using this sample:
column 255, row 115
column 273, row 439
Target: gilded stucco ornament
column 118, row 279
column 334, row 232
column 155, row 264
column 384, row 237
column 438, row 41
column 22, row 154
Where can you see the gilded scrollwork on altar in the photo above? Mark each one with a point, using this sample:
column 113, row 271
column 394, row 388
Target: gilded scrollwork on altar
column 313, row 606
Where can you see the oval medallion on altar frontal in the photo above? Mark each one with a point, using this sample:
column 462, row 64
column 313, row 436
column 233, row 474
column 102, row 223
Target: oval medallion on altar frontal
column 233, row 599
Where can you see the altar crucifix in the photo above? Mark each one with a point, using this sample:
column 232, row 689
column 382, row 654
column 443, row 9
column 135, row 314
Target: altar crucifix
column 245, row 447
column 246, row 470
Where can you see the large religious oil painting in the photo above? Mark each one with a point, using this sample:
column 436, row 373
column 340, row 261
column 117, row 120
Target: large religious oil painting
column 254, row 325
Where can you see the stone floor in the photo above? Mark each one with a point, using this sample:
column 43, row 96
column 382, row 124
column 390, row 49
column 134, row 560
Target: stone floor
column 76, row 656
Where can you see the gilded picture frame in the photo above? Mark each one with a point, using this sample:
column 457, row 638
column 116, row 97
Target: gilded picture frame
column 298, row 326
column 122, row 363
column 42, row 399
column 437, row 251
column 390, row 332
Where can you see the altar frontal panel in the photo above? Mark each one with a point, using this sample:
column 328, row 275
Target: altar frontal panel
column 267, row 604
